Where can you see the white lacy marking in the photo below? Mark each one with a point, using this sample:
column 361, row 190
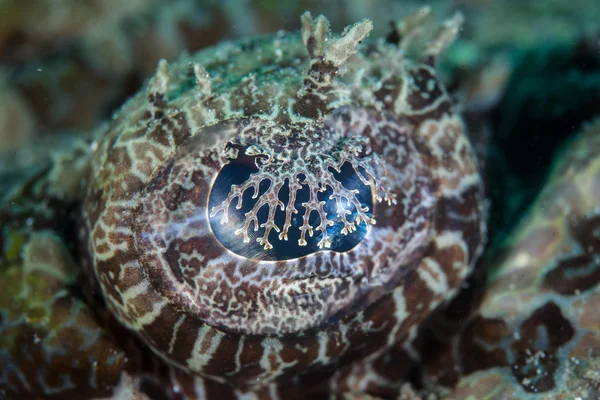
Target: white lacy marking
column 134, row 291
column 201, row 389
column 203, row 352
column 144, row 164
column 343, row 330
column 248, row 396
column 408, row 344
column 448, row 239
column 127, row 389
column 272, row 350
column 432, row 274
column 201, row 116
column 107, row 243
column 135, row 265
column 273, row 392
column 148, row 318
column 465, row 181
column 170, row 229
column 401, row 312
column 125, row 207
column 362, row 376
column 174, row 334
column 401, row 105
column 323, row 340
column 238, row 354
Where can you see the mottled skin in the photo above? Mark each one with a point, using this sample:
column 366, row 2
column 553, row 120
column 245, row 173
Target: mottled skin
column 302, row 107
column 250, row 322
column 148, row 271
column 536, row 332
column 51, row 341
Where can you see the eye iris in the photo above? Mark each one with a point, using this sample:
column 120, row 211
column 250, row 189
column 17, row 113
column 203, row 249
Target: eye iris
column 239, row 171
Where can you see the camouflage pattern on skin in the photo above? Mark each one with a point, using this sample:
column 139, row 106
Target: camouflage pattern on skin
column 302, row 108
column 237, row 319
column 51, row 345
column 536, row 333
column 534, row 337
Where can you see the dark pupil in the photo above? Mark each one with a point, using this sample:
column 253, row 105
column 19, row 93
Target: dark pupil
column 238, row 171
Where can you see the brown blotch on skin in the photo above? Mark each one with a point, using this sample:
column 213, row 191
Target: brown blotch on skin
column 186, row 334
column 580, row 272
column 446, row 257
column 110, row 281
column 252, row 352
column 145, row 153
column 157, row 132
column 311, row 105
column 421, row 96
column 66, row 345
column 535, row 367
column 180, row 129
column 394, row 364
column 145, row 302
column 380, row 327
column 389, row 92
column 130, row 184
column 225, row 356
column 454, row 162
column 440, row 361
column 118, row 160
column 95, row 205
column 305, row 350
column 444, row 108
column 210, row 251
column 162, row 181
column 172, row 257
column 478, row 356
column 573, row 275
